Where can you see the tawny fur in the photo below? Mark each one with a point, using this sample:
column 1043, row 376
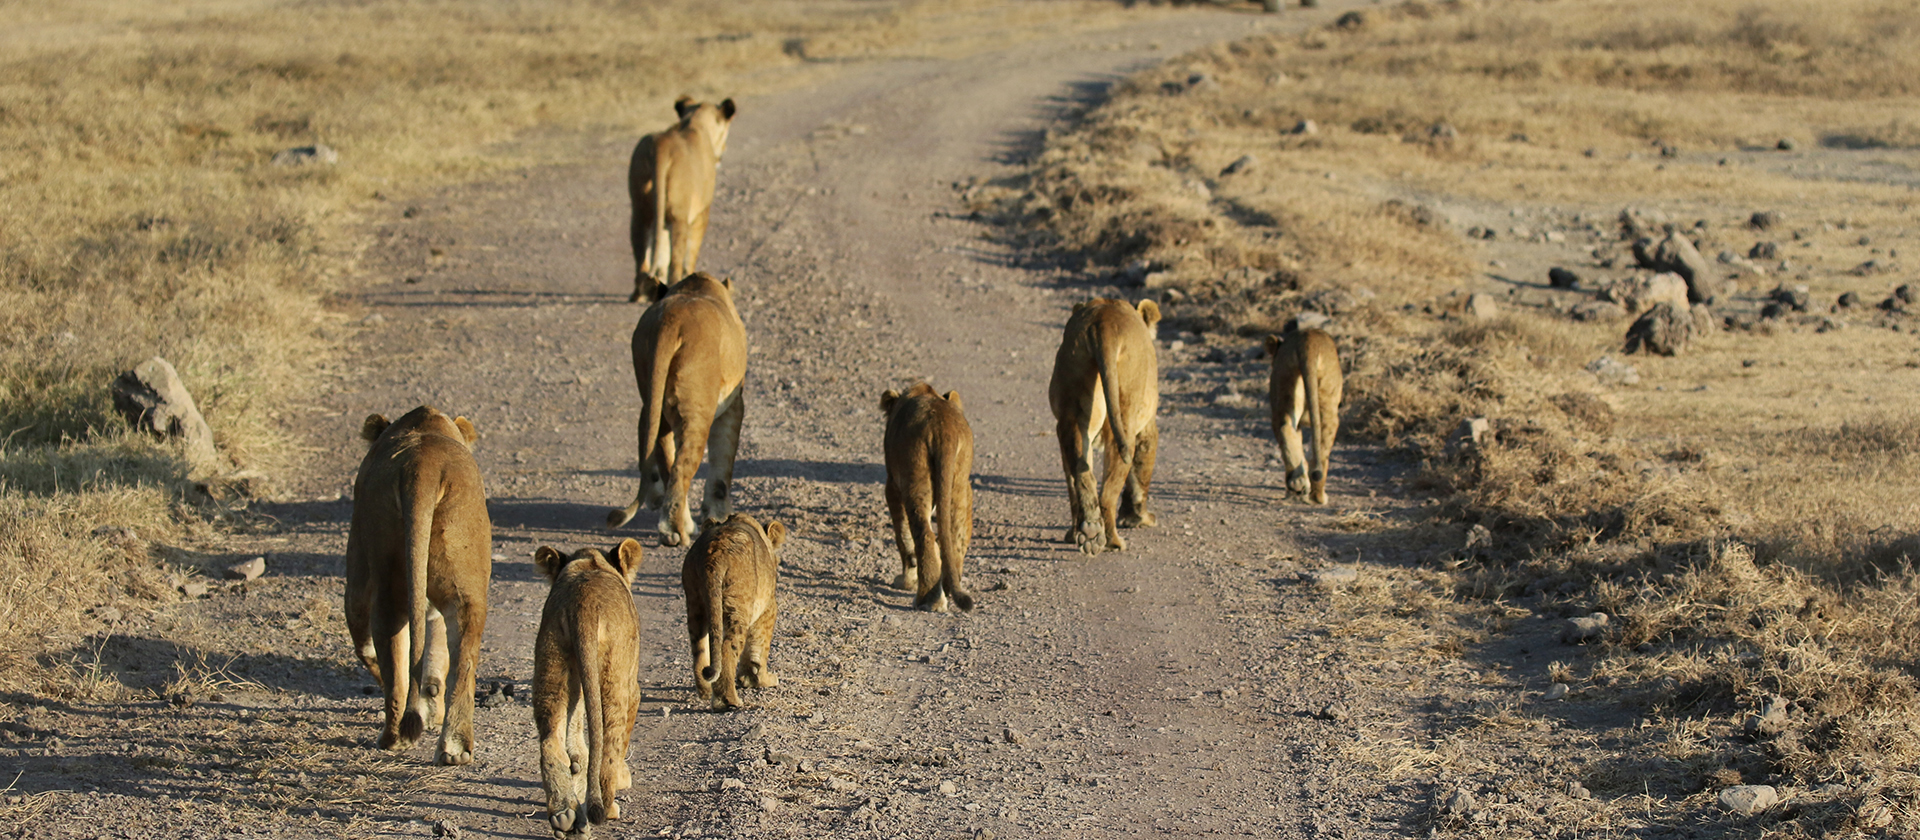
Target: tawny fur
column 729, row 576
column 670, row 181
column 929, row 452
column 1105, row 393
column 1305, row 390
column 419, row 558
column 585, row 667
column 689, row 359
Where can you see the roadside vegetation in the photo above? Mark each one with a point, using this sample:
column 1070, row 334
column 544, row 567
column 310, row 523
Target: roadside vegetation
column 144, row 217
column 1743, row 513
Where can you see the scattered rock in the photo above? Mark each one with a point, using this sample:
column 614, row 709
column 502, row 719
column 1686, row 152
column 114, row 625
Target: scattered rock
column 732, row 784
column 1764, row 220
column 1664, row 330
column 1472, row 432
column 1786, row 144
column 1640, row 292
column 194, row 589
column 1747, row 800
column 1611, row 371
column 949, row 789
column 1636, row 224
column 1333, row 577
column 1306, row 127
column 1597, row 310
column 769, row 804
column 1768, row 720
column 1764, row 251
column 446, row 828
column 492, row 696
column 1478, row 232
column 1356, row 19
column 1578, row 791
column 106, row 615
column 1676, row 253
column 1792, row 297
column 1011, row 736
column 1848, row 300
column 152, row 399
column 1244, row 163
column 1865, row 269
column 248, row 569
column 1311, row 320
column 1478, row 537
column 1460, row 804
column 1442, row 132
column 1557, row 691
column 1482, row 307
column 1907, row 293
column 303, row 155
column 1583, row 629
column 1334, row 712
column 1561, row 278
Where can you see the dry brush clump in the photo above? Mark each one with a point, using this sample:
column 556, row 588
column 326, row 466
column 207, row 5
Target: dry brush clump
column 1277, row 175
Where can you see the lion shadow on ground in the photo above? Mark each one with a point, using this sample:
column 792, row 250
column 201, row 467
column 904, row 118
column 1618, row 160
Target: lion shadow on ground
column 162, row 666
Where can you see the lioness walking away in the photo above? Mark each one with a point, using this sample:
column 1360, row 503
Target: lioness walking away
column 1305, row 389
column 689, row 358
column 1105, row 392
column 729, row 577
column 670, row 181
column 929, row 450
column 419, row 558
column 585, row 665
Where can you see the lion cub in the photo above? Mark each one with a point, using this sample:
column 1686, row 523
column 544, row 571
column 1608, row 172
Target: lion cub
column 1305, row 389
column 1105, row 392
column 419, row 558
column 670, row 181
column 585, row 664
column 728, row 577
column 929, row 449
column 689, row 358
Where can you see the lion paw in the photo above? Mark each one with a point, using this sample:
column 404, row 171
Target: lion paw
column 613, row 810
column 908, row 580
column 569, row 824
column 1139, row 520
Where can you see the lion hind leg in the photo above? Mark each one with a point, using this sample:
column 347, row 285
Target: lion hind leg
column 1133, row 502
column 1082, row 500
column 909, row 577
column 1118, row 467
column 723, row 446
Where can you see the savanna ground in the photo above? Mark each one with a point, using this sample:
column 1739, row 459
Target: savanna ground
column 1738, row 511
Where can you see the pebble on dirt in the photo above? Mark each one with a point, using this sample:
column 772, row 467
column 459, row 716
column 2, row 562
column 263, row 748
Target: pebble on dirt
column 1244, row 163
column 1011, row 736
column 1747, row 800
column 1598, row 310
column 1334, row 712
column 302, row 155
column 1764, row 220
column 1665, row 330
column 1612, row 371
column 1769, row 719
column 445, row 828
column 1482, row 307
column 1562, row 278
column 1584, row 628
column 1557, row 691
column 248, row 569
column 153, row 399
column 1333, row 577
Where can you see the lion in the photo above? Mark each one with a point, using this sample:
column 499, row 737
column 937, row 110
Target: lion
column 419, row 558
column 1105, row 392
column 586, row 662
column 670, row 181
column 689, row 359
column 728, row 577
column 1305, row 389
column 929, row 450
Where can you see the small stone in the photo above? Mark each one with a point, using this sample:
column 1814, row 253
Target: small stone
column 732, row 784
column 1460, row 804
column 891, row 620
column 1482, row 307
column 1244, row 163
column 1578, row 791
column 1472, row 432
column 787, row 759
column 1769, row 719
column 1597, row 310
column 152, row 399
column 194, row 589
column 1786, row 144
column 1611, row 371
column 1763, row 220
column 1584, row 628
column 1664, row 330
column 768, row 803
column 1764, row 251
column 248, row 569
column 1478, row 537
column 1561, row 278
column 666, row 711
column 1907, row 293
column 1011, row 736
column 1311, row 320
column 1848, row 300
column 1334, row 712
column 318, row 153
column 1557, row 691
column 1333, row 577
column 1747, row 800
column 1306, row 127
column 446, row 828
column 949, row 788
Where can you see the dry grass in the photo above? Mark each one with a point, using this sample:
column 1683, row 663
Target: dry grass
column 1755, row 542
column 143, row 217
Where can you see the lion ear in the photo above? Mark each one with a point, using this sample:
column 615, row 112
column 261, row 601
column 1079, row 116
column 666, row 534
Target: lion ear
column 467, row 430
column 1150, row 312
column 684, row 106
column 954, row 397
column 726, row 107
column 1273, row 344
column 658, row 293
column 887, row 400
column 549, row 561
column 727, row 283
column 370, row 430
column 776, row 534
column 627, row 557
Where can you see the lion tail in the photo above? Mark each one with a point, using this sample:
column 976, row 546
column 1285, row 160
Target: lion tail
column 418, row 507
column 655, row 394
column 587, row 648
column 1110, row 387
column 716, row 619
column 662, row 241
column 1323, row 430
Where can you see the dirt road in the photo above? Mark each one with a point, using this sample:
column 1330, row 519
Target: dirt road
column 1191, row 686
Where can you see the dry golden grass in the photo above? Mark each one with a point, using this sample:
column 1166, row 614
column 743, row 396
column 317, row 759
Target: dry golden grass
column 143, row 217
column 1749, row 522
